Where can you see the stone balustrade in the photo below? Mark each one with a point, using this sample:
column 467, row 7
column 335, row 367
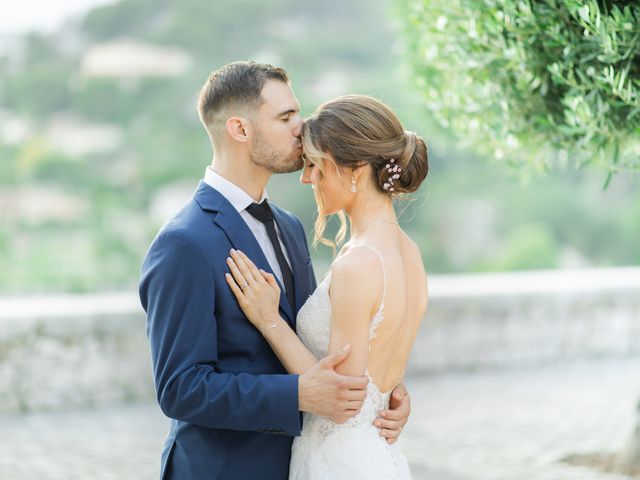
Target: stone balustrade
column 69, row 351
column 529, row 318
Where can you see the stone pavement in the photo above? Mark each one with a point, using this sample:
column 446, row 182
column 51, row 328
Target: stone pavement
column 488, row 425
column 517, row 425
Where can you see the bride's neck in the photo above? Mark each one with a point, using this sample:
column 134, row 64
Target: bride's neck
column 367, row 211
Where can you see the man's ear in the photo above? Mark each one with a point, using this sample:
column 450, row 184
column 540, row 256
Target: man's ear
column 238, row 129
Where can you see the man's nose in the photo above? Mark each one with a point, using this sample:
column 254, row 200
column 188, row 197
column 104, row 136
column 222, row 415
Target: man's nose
column 297, row 131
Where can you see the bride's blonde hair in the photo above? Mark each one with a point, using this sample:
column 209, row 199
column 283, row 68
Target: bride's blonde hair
column 357, row 130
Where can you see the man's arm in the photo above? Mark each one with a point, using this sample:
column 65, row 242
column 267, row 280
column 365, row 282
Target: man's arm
column 177, row 292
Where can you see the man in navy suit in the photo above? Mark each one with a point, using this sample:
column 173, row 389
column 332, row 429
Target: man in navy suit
column 234, row 408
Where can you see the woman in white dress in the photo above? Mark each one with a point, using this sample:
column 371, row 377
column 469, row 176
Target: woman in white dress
column 358, row 157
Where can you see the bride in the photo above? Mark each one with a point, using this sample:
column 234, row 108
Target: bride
column 358, row 158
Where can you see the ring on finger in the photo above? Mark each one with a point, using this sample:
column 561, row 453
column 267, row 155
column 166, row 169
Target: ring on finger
column 244, row 285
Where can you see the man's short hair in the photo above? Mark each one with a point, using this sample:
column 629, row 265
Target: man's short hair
column 236, row 86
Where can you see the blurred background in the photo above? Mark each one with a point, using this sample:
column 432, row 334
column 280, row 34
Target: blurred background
column 100, row 143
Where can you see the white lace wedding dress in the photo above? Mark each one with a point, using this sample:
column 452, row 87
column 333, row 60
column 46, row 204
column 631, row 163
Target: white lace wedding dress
column 353, row 450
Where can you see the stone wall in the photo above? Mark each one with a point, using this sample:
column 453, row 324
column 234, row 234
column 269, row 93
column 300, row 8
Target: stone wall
column 70, row 351
column 529, row 318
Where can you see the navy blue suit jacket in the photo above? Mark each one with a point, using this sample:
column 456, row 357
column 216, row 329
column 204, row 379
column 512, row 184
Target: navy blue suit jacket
column 234, row 408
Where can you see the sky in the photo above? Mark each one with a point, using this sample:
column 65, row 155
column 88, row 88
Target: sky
column 25, row 15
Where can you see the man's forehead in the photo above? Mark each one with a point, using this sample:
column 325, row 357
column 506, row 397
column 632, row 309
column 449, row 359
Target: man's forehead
column 278, row 96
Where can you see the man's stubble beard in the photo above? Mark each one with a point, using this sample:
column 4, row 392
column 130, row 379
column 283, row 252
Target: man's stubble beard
column 266, row 156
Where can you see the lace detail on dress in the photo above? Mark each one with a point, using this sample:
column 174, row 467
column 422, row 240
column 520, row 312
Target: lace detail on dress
column 352, row 450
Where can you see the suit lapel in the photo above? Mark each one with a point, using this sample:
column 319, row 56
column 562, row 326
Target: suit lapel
column 239, row 234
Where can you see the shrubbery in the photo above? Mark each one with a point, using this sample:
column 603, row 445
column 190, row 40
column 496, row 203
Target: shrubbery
column 536, row 82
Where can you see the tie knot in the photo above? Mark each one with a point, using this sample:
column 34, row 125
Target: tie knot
column 261, row 211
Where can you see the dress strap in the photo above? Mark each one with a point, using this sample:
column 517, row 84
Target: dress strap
column 379, row 315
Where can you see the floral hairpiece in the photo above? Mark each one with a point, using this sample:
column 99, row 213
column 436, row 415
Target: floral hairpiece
column 394, row 174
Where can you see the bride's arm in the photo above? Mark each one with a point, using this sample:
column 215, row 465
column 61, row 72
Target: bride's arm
column 356, row 291
column 287, row 346
column 264, row 314
column 350, row 320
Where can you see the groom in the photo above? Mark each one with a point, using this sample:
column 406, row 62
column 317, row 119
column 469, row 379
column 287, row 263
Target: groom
column 234, row 408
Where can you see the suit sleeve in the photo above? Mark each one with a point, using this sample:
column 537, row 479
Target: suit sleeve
column 177, row 293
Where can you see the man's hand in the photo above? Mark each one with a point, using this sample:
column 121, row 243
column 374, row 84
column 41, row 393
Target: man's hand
column 391, row 422
column 324, row 392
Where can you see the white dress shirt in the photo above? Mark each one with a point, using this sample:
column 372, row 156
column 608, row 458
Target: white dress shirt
column 240, row 201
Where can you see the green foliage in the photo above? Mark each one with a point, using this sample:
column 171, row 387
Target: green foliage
column 468, row 216
column 475, row 216
column 103, row 100
column 535, row 82
column 41, row 85
column 42, row 90
column 109, row 21
column 163, row 142
column 528, row 246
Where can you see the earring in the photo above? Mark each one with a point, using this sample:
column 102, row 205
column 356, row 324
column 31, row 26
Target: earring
column 353, row 183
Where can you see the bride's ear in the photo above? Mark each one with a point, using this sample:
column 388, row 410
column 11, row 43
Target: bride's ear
column 359, row 170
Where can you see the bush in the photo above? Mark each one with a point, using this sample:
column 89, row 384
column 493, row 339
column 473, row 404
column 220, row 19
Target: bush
column 533, row 82
column 529, row 246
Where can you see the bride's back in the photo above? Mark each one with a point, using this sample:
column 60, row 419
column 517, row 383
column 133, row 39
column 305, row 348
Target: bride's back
column 403, row 292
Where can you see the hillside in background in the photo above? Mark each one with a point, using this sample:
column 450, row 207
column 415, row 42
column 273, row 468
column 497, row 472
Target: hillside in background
column 100, row 142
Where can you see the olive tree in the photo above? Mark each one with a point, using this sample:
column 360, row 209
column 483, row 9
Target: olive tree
column 534, row 82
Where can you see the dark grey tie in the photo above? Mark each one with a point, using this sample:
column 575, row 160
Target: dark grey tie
column 263, row 213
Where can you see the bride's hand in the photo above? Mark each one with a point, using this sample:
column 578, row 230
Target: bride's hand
column 257, row 291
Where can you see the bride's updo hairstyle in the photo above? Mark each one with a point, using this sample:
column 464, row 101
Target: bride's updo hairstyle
column 358, row 129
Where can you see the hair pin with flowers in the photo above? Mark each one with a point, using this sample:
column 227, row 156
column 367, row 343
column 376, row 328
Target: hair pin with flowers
column 394, row 174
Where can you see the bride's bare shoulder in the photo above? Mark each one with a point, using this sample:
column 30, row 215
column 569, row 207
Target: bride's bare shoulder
column 355, row 269
column 357, row 259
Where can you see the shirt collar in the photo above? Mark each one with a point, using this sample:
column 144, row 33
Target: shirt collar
column 236, row 195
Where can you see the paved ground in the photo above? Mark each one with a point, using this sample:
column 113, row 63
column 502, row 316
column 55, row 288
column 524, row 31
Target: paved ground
column 509, row 425
column 517, row 425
